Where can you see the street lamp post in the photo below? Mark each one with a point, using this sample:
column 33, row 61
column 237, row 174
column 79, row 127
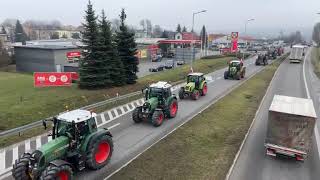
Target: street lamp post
column 245, row 33
column 192, row 30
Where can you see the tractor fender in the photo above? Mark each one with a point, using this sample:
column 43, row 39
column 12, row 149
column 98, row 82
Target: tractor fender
column 87, row 142
column 202, row 84
column 59, row 162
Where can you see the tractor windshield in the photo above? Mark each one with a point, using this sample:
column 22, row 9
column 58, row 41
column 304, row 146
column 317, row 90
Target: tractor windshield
column 235, row 64
column 155, row 92
column 62, row 127
column 192, row 79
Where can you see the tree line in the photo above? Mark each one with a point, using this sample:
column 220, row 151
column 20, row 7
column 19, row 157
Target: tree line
column 108, row 58
column 316, row 34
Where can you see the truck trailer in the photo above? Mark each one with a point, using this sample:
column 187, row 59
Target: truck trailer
column 297, row 54
column 291, row 124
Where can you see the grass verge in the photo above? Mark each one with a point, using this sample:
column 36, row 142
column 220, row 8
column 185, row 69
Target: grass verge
column 21, row 103
column 204, row 148
column 315, row 59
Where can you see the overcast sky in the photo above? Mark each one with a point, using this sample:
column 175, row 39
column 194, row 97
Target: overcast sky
column 222, row 15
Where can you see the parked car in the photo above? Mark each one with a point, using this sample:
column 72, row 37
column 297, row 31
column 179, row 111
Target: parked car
column 170, row 55
column 157, row 68
column 156, row 58
column 169, row 64
column 181, row 62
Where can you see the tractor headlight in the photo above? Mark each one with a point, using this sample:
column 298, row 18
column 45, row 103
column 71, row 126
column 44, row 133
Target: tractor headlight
column 145, row 107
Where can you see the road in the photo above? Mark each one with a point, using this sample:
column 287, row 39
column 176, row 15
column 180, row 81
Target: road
column 252, row 163
column 132, row 139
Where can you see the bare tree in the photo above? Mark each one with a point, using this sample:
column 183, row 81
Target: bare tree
column 316, row 34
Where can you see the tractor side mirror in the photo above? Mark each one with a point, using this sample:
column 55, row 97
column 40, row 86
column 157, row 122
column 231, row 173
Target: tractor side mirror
column 44, row 123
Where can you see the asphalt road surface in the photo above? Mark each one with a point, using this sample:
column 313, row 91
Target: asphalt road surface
column 132, row 139
column 252, row 163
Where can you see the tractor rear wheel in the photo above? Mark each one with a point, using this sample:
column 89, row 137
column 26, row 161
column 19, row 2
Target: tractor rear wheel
column 204, row 90
column 100, row 152
column 173, row 109
column 63, row 172
column 21, row 167
column 181, row 93
column 195, row 95
column 238, row 76
column 136, row 115
column 157, row 118
column 226, row 74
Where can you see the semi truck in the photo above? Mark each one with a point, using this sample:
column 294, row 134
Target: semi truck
column 290, row 127
column 297, row 53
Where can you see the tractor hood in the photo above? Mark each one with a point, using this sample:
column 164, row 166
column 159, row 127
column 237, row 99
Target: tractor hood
column 190, row 87
column 151, row 104
column 54, row 149
column 233, row 70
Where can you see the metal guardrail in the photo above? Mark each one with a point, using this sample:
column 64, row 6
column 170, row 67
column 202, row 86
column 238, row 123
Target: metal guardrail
column 21, row 129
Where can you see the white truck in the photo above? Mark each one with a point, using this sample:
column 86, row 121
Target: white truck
column 291, row 124
column 297, row 53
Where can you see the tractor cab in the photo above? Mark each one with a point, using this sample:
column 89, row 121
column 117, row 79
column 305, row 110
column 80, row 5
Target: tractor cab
column 196, row 78
column 235, row 63
column 74, row 124
column 160, row 90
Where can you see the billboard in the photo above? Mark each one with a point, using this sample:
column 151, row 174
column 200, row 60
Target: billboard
column 51, row 79
column 234, row 41
column 73, row 56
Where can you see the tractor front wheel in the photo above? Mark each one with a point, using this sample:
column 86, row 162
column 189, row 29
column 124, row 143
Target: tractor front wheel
column 195, row 95
column 157, row 118
column 100, row 152
column 136, row 115
column 20, row 170
column 63, row 172
column 181, row 93
column 204, row 90
column 226, row 74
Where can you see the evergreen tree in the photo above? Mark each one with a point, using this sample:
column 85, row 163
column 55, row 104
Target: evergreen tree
column 113, row 67
column 178, row 28
column 204, row 37
column 19, row 34
column 184, row 29
column 164, row 34
column 127, row 49
column 91, row 67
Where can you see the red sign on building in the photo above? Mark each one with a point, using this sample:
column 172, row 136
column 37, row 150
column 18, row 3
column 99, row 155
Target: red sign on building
column 49, row 79
column 73, row 56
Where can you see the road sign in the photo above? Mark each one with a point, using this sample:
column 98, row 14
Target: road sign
column 50, row 79
column 73, row 56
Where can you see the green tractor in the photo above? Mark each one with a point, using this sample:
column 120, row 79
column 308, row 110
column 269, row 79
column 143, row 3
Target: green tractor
column 196, row 86
column 236, row 70
column 159, row 104
column 76, row 144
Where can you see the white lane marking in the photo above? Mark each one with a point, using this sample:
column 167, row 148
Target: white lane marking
column 5, row 173
column 251, row 125
column 102, row 118
column 110, row 115
column 27, row 145
column 15, row 154
column 316, row 131
column 38, row 142
column 128, row 107
column 2, row 159
column 111, row 127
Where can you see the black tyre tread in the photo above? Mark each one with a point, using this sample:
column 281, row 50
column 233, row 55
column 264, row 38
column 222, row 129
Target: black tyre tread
column 181, row 93
column 90, row 163
column 51, row 172
column 226, row 75
column 20, row 167
column 155, row 116
column 135, row 115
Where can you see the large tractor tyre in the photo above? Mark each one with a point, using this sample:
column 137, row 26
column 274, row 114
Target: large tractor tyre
column 204, row 90
column 100, row 152
column 243, row 73
column 238, row 75
column 226, row 74
column 173, row 109
column 181, row 93
column 21, row 167
column 136, row 115
column 195, row 95
column 63, row 172
column 157, row 118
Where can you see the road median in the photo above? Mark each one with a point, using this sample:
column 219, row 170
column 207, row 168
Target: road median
column 204, row 148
